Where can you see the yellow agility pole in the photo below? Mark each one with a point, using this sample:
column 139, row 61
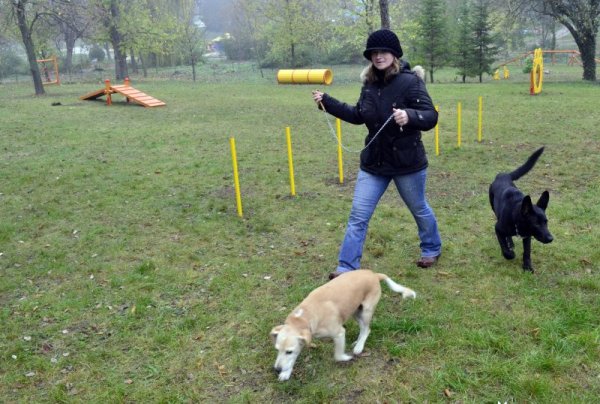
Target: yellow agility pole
column 479, row 121
column 288, row 136
column 437, row 134
column 338, row 125
column 458, row 114
column 236, row 179
column 304, row 76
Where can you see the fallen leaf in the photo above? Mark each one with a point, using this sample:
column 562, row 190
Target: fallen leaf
column 222, row 370
column 447, row 393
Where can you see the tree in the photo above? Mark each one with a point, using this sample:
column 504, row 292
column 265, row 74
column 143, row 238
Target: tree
column 110, row 14
column 190, row 34
column 27, row 15
column 10, row 61
column 582, row 19
column 433, row 36
column 246, row 30
column 463, row 48
column 485, row 50
column 293, row 28
column 363, row 9
column 113, row 17
column 384, row 12
column 72, row 22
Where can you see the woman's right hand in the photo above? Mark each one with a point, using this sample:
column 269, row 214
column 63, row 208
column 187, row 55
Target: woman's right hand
column 317, row 96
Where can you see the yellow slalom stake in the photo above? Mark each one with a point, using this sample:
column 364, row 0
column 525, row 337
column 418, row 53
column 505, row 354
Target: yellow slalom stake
column 236, row 179
column 459, row 113
column 290, row 160
column 338, row 125
column 304, row 76
column 480, row 120
column 437, row 134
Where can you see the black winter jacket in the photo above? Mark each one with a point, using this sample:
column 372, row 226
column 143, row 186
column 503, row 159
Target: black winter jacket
column 394, row 151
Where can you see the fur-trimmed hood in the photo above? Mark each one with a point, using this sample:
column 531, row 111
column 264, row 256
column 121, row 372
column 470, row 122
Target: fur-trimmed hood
column 419, row 71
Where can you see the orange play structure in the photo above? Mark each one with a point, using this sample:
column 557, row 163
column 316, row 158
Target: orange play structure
column 574, row 57
column 126, row 90
column 46, row 72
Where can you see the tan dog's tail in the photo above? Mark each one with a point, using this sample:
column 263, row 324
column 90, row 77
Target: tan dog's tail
column 396, row 287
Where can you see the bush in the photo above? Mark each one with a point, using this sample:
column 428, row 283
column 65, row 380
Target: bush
column 97, row 53
column 528, row 66
column 11, row 63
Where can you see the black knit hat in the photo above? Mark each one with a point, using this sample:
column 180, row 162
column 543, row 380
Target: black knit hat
column 385, row 40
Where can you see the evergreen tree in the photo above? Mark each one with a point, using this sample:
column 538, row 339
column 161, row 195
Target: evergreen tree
column 463, row 46
column 432, row 43
column 485, row 50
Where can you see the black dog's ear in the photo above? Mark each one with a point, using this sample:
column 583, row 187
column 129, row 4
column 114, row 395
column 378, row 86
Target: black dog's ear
column 526, row 206
column 543, row 201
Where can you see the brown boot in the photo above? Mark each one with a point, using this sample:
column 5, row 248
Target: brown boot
column 335, row 274
column 426, row 262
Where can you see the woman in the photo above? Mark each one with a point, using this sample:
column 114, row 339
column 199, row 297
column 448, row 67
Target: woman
column 394, row 151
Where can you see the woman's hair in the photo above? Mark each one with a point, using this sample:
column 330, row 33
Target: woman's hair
column 369, row 74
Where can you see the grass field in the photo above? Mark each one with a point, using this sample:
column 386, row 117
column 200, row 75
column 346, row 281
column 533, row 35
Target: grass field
column 127, row 276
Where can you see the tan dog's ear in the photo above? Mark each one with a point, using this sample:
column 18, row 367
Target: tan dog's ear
column 306, row 337
column 275, row 332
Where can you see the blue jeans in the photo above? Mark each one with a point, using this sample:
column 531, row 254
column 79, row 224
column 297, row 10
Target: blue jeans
column 368, row 191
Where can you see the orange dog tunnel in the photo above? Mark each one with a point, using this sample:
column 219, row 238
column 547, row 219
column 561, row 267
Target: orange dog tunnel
column 305, row 76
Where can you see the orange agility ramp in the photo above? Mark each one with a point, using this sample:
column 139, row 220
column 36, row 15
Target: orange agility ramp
column 126, row 90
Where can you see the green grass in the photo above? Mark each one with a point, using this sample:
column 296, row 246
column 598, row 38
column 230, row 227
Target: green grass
column 127, row 276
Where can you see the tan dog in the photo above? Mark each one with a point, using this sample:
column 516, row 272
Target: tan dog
column 323, row 314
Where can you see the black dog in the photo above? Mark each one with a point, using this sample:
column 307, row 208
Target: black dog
column 517, row 215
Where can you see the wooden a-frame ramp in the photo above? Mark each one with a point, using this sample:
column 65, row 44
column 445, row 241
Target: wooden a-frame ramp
column 126, row 90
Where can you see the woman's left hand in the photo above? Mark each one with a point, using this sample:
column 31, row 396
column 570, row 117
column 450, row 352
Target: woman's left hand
column 400, row 116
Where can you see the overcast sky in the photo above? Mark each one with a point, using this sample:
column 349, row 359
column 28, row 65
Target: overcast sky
column 214, row 14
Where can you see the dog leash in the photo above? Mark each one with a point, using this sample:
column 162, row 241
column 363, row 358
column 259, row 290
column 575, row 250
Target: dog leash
column 332, row 131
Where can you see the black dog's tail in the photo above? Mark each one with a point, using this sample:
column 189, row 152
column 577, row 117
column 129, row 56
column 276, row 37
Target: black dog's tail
column 524, row 169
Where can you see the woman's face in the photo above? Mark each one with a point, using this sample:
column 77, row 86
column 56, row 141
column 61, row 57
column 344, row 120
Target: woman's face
column 381, row 59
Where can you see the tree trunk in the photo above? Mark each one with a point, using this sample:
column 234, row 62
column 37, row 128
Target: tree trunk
column 581, row 19
column 587, row 47
column 369, row 6
column 29, row 47
column 120, row 57
column 116, row 39
column 70, row 38
column 384, row 13
column 193, row 68
column 107, row 50
column 134, row 65
column 143, row 62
